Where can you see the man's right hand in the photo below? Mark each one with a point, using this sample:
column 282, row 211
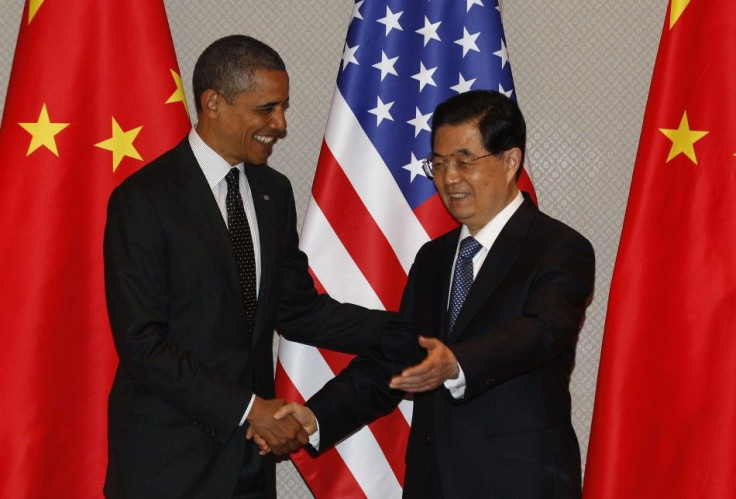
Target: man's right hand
column 283, row 435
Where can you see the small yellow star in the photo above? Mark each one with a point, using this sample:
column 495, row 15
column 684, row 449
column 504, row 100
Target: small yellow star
column 33, row 6
column 178, row 95
column 683, row 139
column 121, row 144
column 43, row 132
column 677, row 7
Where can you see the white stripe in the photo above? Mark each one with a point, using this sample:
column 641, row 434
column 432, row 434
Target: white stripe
column 297, row 360
column 373, row 182
column 369, row 466
column 331, row 262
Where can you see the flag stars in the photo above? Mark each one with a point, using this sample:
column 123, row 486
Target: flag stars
column 503, row 54
column 424, row 76
column 178, row 95
column 463, row 85
column 121, row 144
column 467, row 42
column 348, row 56
column 677, row 7
column 43, row 132
column 420, row 122
column 382, row 111
column 356, row 10
column 473, row 2
column 505, row 92
column 386, row 65
column 415, row 168
column 391, row 21
column 429, row 31
column 33, row 6
column 683, row 139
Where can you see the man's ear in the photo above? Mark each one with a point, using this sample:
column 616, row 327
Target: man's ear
column 513, row 160
column 210, row 101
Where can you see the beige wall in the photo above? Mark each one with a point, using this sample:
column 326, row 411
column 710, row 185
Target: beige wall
column 581, row 69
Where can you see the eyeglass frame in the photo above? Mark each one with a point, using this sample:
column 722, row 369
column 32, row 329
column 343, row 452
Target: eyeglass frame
column 463, row 165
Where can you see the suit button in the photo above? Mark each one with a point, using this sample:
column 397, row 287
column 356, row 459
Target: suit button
column 428, row 439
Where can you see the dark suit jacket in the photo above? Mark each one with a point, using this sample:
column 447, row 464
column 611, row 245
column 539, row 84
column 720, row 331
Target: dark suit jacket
column 511, row 435
column 187, row 365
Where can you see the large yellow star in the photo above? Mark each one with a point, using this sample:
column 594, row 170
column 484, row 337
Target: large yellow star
column 677, row 7
column 121, row 144
column 33, row 6
column 178, row 95
column 43, row 132
column 683, row 139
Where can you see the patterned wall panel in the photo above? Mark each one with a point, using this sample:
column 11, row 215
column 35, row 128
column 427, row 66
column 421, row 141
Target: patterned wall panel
column 582, row 70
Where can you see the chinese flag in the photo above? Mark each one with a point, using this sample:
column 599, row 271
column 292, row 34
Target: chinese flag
column 664, row 424
column 94, row 94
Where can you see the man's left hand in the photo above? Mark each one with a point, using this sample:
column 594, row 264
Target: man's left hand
column 439, row 366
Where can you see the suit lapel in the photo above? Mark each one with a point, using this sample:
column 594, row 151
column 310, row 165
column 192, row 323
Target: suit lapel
column 197, row 201
column 501, row 257
column 440, row 286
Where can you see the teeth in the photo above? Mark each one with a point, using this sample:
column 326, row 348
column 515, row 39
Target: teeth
column 457, row 195
column 263, row 139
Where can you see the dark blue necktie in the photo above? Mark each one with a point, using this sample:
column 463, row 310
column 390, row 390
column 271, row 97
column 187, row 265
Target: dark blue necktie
column 245, row 257
column 462, row 280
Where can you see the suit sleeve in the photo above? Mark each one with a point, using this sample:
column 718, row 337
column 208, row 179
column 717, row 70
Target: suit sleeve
column 550, row 320
column 138, row 299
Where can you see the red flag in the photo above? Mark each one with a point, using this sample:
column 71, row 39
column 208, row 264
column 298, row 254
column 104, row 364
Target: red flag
column 94, row 94
column 372, row 207
column 664, row 423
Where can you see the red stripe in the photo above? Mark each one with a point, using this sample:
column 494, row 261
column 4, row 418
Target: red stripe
column 358, row 231
column 392, row 433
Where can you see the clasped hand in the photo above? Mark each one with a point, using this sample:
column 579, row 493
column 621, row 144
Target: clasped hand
column 303, row 416
column 282, row 435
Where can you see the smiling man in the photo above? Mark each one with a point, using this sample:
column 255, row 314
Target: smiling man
column 499, row 302
column 201, row 265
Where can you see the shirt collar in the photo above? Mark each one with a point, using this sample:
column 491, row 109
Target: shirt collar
column 490, row 231
column 212, row 164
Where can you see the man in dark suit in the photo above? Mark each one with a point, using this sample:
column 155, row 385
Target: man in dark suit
column 201, row 265
column 500, row 301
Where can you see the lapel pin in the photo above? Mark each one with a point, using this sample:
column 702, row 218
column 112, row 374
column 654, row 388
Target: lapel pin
column 266, row 198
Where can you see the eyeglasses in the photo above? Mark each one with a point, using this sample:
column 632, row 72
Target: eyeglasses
column 440, row 164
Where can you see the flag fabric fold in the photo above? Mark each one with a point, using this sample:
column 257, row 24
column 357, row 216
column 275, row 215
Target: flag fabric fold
column 663, row 422
column 372, row 207
column 94, row 93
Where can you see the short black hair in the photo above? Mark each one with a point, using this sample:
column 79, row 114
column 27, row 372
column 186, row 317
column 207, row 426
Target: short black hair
column 500, row 122
column 228, row 65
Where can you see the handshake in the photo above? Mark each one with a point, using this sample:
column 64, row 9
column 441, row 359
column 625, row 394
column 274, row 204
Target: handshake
column 278, row 427
column 282, row 428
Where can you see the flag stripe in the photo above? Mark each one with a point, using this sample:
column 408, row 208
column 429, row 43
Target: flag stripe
column 331, row 264
column 359, row 234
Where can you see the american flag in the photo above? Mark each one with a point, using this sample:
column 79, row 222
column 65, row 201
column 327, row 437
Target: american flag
column 372, row 207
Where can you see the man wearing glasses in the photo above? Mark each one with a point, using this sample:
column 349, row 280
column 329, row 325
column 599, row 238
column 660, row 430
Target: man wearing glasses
column 498, row 303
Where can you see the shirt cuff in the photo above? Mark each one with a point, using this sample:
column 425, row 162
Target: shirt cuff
column 314, row 437
column 456, row 386
column 247, row 410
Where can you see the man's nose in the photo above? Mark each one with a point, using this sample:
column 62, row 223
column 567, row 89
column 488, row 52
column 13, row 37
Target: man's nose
column 278, row 120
